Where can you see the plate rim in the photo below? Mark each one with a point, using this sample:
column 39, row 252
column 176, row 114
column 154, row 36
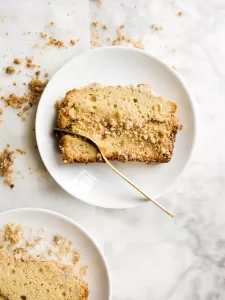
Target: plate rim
column 74, row 223
column 192, row 104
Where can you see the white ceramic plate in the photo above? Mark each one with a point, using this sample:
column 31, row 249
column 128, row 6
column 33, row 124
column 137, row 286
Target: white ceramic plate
column 98, row 276
column 96, row 183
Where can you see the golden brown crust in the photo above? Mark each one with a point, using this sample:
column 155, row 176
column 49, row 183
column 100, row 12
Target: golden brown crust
column 129, row 124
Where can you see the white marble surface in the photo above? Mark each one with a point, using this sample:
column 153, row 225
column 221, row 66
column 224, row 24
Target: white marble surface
column 151, row 257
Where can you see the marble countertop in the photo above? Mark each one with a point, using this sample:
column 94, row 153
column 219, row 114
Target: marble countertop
column 151, row 257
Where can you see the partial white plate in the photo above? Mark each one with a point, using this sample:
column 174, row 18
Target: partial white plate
column 98, row 276
column 96, row 183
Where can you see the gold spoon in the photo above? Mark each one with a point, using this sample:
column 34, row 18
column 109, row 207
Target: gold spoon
column 114, row 169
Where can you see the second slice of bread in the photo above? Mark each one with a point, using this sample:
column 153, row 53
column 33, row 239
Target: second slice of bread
column 27, row 277
column 129, row 123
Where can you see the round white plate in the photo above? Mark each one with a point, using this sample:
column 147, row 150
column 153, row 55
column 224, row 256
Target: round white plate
column 98, row 276
column 96, row 183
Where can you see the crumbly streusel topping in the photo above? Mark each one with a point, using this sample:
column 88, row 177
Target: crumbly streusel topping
column 13, row 233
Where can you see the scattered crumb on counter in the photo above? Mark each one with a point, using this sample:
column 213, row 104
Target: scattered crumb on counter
column 37, row 73
column 21, row 151
column 17, row 61
column 46, row 75
column 29, row 59
column 22, row 112
column 1, row 113
column 52, row 23
column 174, row 67
column 83, row 270
column 15, row 101
column 73, row 42
column 30, row 63
column 181, row 126
column 138, row 44
column 121, row 38
column 10, row 70
column 14, row 83
column 31, row 97
column 156, row 27
column 76, row 257
column 100, row 2
column 55, row 42
column 37, row 87
column 13, row 233
column 43, row 35
column 6, row 161
column 105, row 26
column 180, row 13
column 95, row 23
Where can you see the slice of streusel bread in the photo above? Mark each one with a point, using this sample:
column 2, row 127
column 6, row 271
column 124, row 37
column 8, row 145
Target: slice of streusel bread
column 27, row 277
column 127, row 122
